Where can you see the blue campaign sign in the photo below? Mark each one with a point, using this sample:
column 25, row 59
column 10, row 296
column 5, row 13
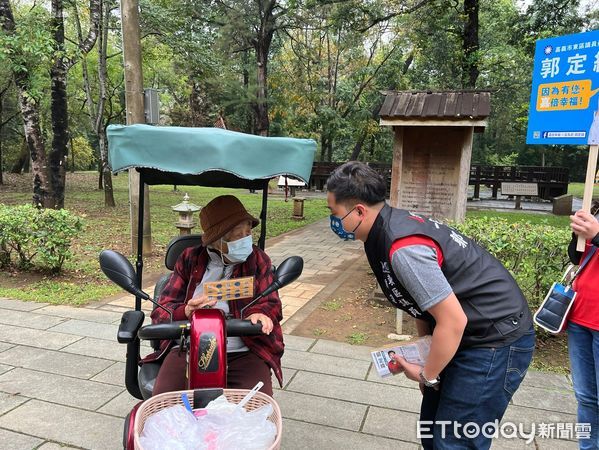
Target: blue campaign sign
column 565, row 88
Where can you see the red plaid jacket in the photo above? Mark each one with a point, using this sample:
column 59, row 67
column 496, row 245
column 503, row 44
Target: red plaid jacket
column 189, row 271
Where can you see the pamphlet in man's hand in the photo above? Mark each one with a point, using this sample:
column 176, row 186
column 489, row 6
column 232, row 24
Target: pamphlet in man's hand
column 414, row 352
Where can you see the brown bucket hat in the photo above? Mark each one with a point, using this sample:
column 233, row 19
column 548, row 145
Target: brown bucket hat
column 221, row 215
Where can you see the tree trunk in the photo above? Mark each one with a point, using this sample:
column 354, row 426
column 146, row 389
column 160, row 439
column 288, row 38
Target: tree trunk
column 100, row 127
column 100, row 176
column 1, row 165
column 262, row 45
column 261, row 105
column 195, row 103
column 246, row 87
column 358, row 147
column 27, row 162
column 60, row 119
column 3, row 122
column 72, row 156
column 106, row 175
column 37, row 149
column 326, row 146
column 470, row 44
column 59, row 111
column 97, row 110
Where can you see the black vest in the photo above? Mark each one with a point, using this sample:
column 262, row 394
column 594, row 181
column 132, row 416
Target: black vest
column 496, row 309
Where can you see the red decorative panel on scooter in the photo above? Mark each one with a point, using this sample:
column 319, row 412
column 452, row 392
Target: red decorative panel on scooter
column 207, row 350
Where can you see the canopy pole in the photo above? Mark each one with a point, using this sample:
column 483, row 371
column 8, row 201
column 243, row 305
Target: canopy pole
column 140, row 237
column 262, row 240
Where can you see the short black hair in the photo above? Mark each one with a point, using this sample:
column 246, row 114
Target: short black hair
column 357, row 181
column 391, row 351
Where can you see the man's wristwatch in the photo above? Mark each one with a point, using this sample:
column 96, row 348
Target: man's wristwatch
column 429, row 383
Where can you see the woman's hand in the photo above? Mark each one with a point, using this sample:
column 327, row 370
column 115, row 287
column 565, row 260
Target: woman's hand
column 267, row 324
column 584, row 225
column 197, row 303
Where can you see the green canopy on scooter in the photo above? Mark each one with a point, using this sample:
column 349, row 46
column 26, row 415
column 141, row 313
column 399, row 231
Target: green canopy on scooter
column 207, row 156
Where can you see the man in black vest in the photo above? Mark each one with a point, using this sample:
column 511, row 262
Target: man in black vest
column 481, row 326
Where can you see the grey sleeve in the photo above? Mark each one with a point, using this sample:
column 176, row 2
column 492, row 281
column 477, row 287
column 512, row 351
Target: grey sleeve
column 417, row 269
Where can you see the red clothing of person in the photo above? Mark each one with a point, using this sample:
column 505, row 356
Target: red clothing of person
column 417, row 240
column 585, row 310
column 189, row 271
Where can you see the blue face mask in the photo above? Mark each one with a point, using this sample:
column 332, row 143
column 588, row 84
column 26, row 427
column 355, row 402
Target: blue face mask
column 337, row 227
column 239, row 250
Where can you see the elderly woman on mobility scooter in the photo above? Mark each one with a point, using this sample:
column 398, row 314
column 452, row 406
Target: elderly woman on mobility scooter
column 226, row 252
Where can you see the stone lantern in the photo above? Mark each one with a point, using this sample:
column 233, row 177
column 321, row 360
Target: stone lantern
column 185, row 210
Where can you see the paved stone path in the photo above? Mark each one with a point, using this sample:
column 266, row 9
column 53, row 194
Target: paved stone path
column 62, row 372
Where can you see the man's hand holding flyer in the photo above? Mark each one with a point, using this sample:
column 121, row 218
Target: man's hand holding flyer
column 414, row 352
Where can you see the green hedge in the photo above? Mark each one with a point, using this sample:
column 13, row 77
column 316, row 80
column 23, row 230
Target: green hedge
column 36, row 238
column 536, row 255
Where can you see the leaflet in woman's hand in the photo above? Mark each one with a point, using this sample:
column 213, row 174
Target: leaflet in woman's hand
column 231, row 289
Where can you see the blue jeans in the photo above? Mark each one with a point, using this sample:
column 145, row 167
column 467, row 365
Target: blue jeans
column 583, row 347
column 476, row 386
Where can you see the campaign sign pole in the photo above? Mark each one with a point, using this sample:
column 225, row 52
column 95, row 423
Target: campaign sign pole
column 591, row 170
column 563, row 101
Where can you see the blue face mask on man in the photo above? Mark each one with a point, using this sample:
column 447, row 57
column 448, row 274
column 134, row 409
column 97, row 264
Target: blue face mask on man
column 337, row 227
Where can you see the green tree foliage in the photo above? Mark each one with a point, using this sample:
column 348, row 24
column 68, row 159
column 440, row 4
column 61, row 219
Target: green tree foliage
column 305, row 68
column 82, row 155
column 337, row 71
column 26, row 43
column 543, row 19
column 29, row 49
column 181, row 58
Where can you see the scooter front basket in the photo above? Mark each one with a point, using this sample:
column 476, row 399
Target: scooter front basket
column 168, row 399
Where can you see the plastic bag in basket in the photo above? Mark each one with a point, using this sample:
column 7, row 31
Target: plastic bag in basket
column 223, row 427
column 237, row 428
column 173, row 428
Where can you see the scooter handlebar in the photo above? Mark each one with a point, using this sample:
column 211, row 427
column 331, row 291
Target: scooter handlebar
column 168, row 330
column 173, row 330
column 239, row 327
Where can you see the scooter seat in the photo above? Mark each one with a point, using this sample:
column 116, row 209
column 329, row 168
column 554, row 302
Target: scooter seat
column 147, row 377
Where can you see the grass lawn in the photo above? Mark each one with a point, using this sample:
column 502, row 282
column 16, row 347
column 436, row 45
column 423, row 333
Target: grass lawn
column 81, row 281
column 577, row 190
